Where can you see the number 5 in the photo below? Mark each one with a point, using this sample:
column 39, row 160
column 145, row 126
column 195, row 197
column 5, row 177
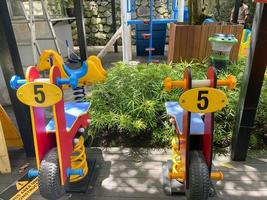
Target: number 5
column 204, row 101
column 39, row 94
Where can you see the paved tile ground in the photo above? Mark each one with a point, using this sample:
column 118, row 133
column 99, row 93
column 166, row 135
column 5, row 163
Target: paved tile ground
column 137, row 174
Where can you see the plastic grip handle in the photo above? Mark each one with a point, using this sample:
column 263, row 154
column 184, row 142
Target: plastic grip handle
column 16, row 82
column 169, row 84
column 72, row 81
column 230, row 82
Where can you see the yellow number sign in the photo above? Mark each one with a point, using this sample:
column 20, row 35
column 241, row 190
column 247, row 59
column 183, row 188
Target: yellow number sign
column 203, row 100
column 39, row 94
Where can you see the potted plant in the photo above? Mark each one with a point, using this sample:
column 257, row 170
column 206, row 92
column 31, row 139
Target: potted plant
column 69, row 5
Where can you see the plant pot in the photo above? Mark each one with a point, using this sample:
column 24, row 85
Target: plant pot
column 70, row 12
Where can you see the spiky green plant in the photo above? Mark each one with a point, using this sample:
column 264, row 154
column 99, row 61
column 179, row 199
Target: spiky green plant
column 128, row 108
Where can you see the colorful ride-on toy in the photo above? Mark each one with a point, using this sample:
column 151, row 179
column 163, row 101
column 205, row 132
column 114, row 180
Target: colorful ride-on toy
column 59, row 143
column 193, row 119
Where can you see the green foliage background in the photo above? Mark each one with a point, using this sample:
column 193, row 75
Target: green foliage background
column 128, row 108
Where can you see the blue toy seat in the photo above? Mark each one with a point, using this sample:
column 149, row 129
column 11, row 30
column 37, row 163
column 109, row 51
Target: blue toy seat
column 73, row 111
column 176, row 111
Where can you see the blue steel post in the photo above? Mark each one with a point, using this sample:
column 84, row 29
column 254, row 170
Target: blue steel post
column 151, row 32
column 174, row 9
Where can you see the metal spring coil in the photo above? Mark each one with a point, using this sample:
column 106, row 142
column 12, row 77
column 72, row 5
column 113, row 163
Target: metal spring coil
column 78, row 159
column 79, row 94
column 176, row 157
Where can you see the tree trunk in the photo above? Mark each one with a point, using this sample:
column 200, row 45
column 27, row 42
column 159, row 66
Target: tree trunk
column 200, row 9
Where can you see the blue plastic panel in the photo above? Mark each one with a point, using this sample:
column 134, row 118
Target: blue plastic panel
column 73, row 110
column 159, row 38
column 176, row 111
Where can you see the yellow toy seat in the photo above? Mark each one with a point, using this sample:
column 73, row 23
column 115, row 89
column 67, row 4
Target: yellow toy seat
column 93, row 74
column 96, row 73
column 98, row 63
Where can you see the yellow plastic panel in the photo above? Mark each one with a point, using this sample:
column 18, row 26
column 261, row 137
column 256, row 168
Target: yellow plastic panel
column 44, row 61
column 203, row 100
column 93, row 75
column 11, row 133
column 98, row 63
column 39, row 94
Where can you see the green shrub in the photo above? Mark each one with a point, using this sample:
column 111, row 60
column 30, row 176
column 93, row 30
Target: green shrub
column 128, row 108
column 130, row 105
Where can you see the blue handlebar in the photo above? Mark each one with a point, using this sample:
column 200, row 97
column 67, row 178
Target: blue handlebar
column 16, row 82
column 72, row 81
column 77, row 72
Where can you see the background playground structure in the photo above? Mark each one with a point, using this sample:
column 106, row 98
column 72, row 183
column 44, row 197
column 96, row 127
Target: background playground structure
column 127, row 8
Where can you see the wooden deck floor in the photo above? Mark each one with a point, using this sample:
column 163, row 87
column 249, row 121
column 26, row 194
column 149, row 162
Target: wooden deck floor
column 136, row 174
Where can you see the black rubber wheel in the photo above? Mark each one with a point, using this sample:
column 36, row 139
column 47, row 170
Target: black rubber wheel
column 167, row 183
column 199, row 182
column 49, row 177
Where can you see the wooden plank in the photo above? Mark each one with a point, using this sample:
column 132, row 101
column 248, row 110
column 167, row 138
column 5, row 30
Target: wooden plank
column 126, row 165
column 127, row 198
column 129, row 192
column 218, row 29
column 4, row 159
column 157, row 173
column 203, row 42
column 152, row 192
column 183, row 42
column 225, row 29
column 242, row 185
column 177, row 44
column 172, row 41
column 157, row 183
column 128, row 151
column 190, row 43
column 242, row 194
column 196, row 45
column 233, row 51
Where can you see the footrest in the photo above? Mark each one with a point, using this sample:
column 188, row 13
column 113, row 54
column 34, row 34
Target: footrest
column 150, row 49
column 146, row 21
column 146, row 36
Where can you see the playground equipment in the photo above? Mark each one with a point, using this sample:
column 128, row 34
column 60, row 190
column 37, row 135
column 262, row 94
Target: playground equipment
column 244, row 45
column 91, row 71
column 60, row 154
column 152, row 21
column 221, row 47
column 9, row 137
column 127, row 8
column 193, row 118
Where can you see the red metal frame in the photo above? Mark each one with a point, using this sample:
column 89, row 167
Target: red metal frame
column 62, row 138
column 42, row 142
column 209, row 124
column 206, row 139
column 186, row 127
